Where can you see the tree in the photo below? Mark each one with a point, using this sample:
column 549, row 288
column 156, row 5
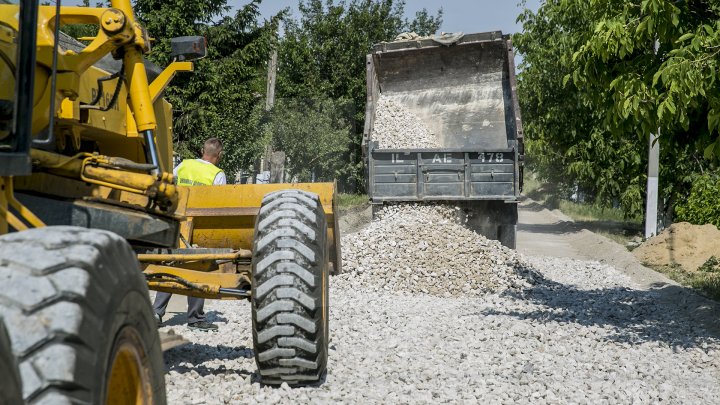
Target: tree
column 592, row 89
column 221, row 97
column 567, row 145
column 322, row 56
column 314, row 134
column 425, row 24
column 644, row 88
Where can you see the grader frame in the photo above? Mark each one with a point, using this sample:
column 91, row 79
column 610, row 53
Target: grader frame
column 72, row 156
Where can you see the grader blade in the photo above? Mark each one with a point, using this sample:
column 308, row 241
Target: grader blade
column 224, row 216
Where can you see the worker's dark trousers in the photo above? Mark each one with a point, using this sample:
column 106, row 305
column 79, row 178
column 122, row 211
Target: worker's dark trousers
column 195, row 311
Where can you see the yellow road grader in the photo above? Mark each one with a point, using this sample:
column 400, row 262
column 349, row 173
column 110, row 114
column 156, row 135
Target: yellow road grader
column 91, row 218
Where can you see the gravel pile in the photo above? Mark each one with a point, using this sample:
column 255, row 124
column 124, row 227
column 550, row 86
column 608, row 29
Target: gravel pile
column 425, row 249
column 397, row 128
column 479, row 324
column 583, row 335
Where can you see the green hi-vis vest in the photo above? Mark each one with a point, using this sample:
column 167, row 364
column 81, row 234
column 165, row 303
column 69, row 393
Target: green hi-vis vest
column 193, row 172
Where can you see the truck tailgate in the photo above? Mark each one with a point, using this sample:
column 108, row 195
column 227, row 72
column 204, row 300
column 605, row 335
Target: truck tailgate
column 441, row 174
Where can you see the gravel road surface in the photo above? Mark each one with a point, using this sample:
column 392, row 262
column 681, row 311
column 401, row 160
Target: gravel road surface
column 574, row 331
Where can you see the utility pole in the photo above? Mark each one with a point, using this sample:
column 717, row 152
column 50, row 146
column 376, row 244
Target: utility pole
column 651, row 202
column 652, row 186
column 272, row 72
column 268, row 166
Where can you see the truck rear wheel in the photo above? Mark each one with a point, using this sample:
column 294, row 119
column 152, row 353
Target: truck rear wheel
column 290, row 289
column 79, row 318
column 507, row 235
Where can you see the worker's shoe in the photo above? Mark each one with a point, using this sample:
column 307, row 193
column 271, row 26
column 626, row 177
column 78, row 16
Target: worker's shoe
column 158, row 319
column 203, row 326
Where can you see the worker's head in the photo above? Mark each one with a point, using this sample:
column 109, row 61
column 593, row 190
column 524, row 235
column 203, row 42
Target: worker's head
column 212, row 150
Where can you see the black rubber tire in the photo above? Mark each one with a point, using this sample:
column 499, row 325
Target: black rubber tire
column 67, row 294
column 290, row 289
column 10, row 388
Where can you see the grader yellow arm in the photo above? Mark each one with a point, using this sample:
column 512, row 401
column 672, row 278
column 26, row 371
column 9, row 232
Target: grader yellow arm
column 220, row 226
column 90, row 218
column 224, row 216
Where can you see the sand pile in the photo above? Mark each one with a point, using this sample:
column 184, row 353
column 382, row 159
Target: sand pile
column 685, row 244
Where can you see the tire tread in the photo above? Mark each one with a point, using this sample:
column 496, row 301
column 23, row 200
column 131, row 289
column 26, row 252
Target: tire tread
column 290, row 264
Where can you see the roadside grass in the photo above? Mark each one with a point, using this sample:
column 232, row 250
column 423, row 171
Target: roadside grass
column 348, row 201
column 591, row 212
column 540, row 192
column 622, row 237
column 706, row 280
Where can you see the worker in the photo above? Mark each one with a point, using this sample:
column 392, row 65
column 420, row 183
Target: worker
column 194, row 172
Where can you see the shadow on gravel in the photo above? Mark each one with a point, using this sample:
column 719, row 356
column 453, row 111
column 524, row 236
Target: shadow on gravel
column 557, row 228
column 565, row 227
column 181, row 318
column 669, row 314
column 177, row 359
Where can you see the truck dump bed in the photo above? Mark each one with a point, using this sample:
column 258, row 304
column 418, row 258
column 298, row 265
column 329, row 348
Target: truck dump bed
column 464, row 94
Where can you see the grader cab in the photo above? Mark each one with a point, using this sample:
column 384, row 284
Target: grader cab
column 90, row 218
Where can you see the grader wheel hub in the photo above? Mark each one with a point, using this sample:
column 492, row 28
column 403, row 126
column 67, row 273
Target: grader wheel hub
column 128, row 380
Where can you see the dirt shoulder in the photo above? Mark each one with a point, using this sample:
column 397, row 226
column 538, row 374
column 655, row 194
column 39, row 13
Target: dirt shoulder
column 551, row 233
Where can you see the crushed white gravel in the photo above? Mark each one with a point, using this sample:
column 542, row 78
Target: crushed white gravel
column 424, row 248
column 563, row 331
column 395, row 127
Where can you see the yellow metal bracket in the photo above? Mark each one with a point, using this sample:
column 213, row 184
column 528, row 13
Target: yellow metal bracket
column 114, row 30
column 196, row 283
column 151, row 257
column 8, row 200
column 90, row 169
column 161, row 82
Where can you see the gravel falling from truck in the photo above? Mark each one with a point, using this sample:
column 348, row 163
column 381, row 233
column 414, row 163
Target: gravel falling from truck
column 424, row 248
column 397, row 128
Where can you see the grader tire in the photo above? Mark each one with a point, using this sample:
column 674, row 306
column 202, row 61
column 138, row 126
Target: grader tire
column 290, row 289
column 10, row 388
column 78, row 315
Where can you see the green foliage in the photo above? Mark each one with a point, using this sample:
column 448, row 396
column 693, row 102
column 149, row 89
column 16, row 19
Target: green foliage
column 314, row 134
column 712, row 265
column 348, row 201
column 593, row 88
column 322, row 56
column 702, row 206
column 78, row 31
column 644, row 88
column 592, row 212
column 705, row 281
column 567, row 144
column 425, row 24
column 707, row 284
column 222, row 96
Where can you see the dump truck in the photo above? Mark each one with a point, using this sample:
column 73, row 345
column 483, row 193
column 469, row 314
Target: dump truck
column 462, row 88
column 91, row 219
